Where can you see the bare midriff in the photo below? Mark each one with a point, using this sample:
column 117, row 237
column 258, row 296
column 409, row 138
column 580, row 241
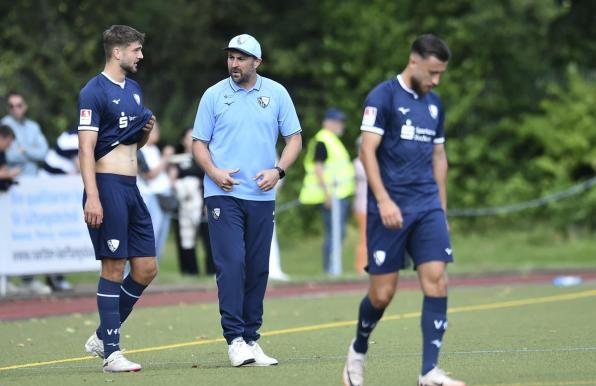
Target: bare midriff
column 121, row 160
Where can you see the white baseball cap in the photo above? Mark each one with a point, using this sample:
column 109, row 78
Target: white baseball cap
column 245, row 44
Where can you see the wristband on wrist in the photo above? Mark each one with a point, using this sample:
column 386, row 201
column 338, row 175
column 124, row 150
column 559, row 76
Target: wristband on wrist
column 282, row 173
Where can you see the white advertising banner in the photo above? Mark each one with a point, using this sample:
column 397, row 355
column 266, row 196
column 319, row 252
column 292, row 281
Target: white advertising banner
column 42, row 228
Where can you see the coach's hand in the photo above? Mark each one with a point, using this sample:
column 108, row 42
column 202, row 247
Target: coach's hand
column 267, row 179
column 149, row 125
column 223, row 178
column 93, row 212
column 390, row 214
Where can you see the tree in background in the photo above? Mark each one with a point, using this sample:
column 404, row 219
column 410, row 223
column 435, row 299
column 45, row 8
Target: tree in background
column 521, row 76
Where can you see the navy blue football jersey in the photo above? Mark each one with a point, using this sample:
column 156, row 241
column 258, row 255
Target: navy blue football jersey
column 410, row 125
column 114, row 110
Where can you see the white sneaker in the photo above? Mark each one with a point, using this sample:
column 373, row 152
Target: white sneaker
column 35, row 287
column 94, row 346
column 438, row 377
column 116, row 363
column 261, row 359
column 353, row 374
column 239, row 353
column 58, row 285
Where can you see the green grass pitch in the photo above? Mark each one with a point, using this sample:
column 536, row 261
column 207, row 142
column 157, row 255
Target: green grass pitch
column 516, row 336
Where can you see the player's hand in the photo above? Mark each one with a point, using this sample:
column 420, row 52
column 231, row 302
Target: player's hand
column 267, row 179
column 93, row 212
column 149, row 125
column 390, row 214
column 223, row 178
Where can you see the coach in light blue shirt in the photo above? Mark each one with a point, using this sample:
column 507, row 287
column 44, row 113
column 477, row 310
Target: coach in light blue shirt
column 237, row 126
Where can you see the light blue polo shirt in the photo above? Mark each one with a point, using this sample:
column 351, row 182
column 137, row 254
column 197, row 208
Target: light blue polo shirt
column 242, row 128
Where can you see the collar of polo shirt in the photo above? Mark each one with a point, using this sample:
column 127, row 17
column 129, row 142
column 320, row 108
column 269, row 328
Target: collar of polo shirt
column 257, row 85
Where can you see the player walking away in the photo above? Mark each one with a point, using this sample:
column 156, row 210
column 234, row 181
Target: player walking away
column 113, row 125
column 236, row 129
column 403, row 153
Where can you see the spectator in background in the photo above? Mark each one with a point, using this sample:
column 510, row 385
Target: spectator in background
column 329, row 174
column 188, row 189
column 359, row 209
column 6, row 174
column 61, row 159
column 155, row 186
column 28, row 148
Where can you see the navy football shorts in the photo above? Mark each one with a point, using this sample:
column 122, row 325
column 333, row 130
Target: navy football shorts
column 126, row 230
column 424, row 236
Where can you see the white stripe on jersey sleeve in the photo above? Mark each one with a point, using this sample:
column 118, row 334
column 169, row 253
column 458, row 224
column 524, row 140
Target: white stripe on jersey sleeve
column 372, row 129
column 88, row 128
column 438, row 141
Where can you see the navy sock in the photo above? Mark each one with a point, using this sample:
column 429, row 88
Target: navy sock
column 130, row 292
column 368, row 316
column 433, row 324
column 108, row 298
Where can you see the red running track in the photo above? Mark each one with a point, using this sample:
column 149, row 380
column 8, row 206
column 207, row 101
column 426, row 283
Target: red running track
column 15, row 309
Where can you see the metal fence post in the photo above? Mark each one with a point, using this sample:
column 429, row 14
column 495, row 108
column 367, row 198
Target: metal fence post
column 335, row 268
column 3, row 285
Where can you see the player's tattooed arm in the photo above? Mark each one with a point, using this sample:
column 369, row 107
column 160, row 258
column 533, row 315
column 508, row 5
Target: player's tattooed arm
column 440, row 167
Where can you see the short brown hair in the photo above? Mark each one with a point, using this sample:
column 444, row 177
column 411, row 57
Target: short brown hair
column 120, row 35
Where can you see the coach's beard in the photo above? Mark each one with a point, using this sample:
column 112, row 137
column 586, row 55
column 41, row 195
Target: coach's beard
column 239, row 77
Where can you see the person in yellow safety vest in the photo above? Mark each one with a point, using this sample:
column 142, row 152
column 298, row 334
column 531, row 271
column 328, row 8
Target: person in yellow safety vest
column 329, row 173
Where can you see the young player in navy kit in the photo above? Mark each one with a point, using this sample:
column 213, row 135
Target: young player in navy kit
column 113, row 125
column 403, row 153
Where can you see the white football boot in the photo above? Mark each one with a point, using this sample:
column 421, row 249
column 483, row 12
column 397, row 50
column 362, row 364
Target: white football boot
column 239, row 353
column 438, row 377
column 117, row 363
column 353, row 374
column 261, row 359
column 94, row 346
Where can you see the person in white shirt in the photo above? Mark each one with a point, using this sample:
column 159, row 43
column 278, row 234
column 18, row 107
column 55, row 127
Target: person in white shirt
column 155, row 186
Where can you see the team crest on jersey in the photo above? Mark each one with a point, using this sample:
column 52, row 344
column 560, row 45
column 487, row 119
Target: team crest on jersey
column 263, row 101
column 137, row 99
column 379, row 257
column 216, row 212
column 113, row 245
column 370, row 116
column 434, row 111
column 85, row 117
